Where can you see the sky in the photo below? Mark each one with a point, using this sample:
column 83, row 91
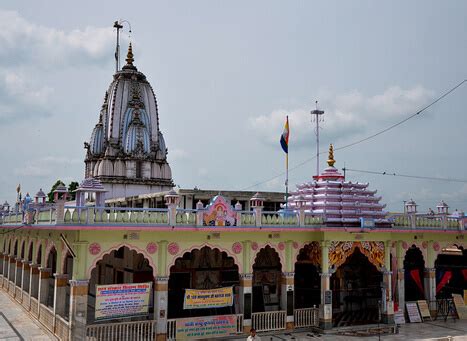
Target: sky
column 226, row 74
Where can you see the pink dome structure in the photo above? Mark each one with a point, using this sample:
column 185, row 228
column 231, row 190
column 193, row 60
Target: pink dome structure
column 339, row 202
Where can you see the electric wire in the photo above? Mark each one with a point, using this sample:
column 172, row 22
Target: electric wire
column 405, row 175
column 445, row 94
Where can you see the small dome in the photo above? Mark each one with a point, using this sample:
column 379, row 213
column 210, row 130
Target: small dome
column 40, row 194
column 96, row 145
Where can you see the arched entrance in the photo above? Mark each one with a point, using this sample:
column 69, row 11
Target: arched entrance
column 267, row 273
column 204, row 268
column 356, row 290
column 67, row 270
column 414, row 268
column 451, row 272
column 52, row 265
column 121, row 266
column 307, row 279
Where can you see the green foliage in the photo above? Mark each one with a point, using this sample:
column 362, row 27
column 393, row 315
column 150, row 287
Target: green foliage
column 50, row 195
column 71, row 189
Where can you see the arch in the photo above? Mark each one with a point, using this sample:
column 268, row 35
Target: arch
column 120, row 266
column 203, row 268
column 51, row 263
column 15, row 248
column 100, row 256
column 22, row 248
column 212, row 246
column 356, row 286
column 261, row 246
column 414, row 269
column 49, row 246
column 339, row 251
column 39, row 255
column 30, row 251
column 65, row 263
column 267, row 276
column 307, row 280
column 451, row 271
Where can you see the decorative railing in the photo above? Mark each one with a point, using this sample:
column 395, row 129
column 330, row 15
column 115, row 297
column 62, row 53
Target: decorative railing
column 137, row 330
column 115, row 215
column 90, row 215
column 269, row 320
column 306, row 317
column 274, row 219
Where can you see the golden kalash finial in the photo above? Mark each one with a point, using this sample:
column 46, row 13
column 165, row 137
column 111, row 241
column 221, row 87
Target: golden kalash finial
column 331, row 160
column 129, row 56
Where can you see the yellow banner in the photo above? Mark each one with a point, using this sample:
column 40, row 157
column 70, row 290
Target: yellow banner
column 212, row 298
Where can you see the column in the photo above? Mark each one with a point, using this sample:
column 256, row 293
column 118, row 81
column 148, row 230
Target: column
column 34, row 281
column 287, row 297
column 430, row 278
column 325, row 308
column 387, row 308
column 430, row 288
column 161, row 290
column 44, row 275
column 245, row 293
column 78, row 309
column 60, row 294
column 400, row 253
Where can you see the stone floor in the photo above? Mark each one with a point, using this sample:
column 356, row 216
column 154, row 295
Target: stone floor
column 16, row 324
column 435, row 330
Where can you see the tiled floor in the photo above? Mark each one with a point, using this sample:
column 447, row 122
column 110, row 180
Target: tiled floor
column 16, row 324
column 436, row 330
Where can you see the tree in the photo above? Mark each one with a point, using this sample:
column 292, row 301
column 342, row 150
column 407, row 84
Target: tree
column 71, row 189
column 50, row 195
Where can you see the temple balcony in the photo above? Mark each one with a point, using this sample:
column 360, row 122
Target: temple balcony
column 90, row 217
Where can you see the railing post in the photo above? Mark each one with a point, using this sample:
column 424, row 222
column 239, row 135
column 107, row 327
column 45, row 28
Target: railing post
column 199, row 213
column 238, row 208
column 78, row 309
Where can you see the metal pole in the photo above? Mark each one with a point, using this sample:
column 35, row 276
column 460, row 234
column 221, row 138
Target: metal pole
column 316, row 115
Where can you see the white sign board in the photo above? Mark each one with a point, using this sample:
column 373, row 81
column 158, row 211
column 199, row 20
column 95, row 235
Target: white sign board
column 122, row 300
column 412, row 311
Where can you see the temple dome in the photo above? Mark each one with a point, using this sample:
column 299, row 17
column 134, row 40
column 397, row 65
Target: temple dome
column 127, row 141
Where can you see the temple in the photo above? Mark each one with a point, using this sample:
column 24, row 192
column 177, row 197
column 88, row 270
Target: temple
column 127, row 151
column 132, row 258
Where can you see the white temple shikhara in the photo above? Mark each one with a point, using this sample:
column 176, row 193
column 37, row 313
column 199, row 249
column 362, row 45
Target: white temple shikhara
column 127, row 151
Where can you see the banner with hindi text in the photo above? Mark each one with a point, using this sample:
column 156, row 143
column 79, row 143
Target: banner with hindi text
column 211, row 298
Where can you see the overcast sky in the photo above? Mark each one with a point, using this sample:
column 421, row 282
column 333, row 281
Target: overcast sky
column 226, row 73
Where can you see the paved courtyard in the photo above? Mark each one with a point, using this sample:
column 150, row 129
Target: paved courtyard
column 15, row 323
column 436, row 330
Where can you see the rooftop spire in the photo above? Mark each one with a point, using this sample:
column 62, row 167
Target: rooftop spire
column 129, row 56
column 331, row 160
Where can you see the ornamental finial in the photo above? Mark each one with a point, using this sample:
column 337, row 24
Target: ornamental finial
column 331, row 160
column 129, row 56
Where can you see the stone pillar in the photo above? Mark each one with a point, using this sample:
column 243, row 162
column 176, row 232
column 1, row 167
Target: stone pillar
column 387, row 306
column 26, row 274
column 245, row 294
column 44, row 275
column 78, row 309
column 400, row 254
column 60, row 294
column 161, row 298
column 430, row 288
column 325, row 308
column 287, row 297
column 34, row 281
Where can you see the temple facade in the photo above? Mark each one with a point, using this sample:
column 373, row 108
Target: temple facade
column 131, row 258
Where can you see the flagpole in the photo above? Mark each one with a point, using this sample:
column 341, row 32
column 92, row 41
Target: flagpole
column 287, row 172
